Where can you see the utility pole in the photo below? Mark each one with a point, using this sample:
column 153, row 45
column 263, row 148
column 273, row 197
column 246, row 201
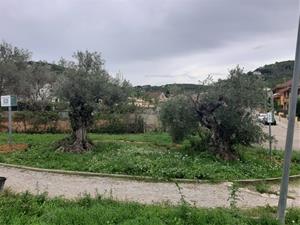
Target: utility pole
column 290, row 133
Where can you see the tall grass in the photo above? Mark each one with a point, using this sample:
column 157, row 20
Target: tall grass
column 26, row 209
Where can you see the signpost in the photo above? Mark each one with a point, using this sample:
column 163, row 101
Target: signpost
column 9, row 101
column 270, row 121
column 270, row 116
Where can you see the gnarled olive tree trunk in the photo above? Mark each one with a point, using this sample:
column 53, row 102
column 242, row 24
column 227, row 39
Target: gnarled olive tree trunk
column 220, row 143
column 81, row 118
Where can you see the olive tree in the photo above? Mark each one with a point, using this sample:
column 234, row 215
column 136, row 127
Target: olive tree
column 226, row 109
column 86, row 86
column 13, row 64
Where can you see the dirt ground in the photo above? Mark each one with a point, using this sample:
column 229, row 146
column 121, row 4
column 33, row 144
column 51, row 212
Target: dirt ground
column 5, row 148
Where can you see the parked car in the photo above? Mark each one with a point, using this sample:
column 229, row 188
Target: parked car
column 261, row 117
column 265, row 121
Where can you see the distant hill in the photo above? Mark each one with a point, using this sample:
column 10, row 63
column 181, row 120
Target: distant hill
column 169, row 88
column 53, row 67
column 277, row 72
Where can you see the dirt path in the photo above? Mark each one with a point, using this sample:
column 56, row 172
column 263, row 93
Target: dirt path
column 71, row 186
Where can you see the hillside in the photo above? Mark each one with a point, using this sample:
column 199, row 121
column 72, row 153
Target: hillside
column 277, row 72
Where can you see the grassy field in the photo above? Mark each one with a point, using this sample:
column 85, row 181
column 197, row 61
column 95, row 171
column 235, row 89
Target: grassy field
column 26, row 209
column 150, row 154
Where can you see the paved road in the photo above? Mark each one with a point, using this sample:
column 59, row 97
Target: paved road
column 71, row 186
column 279, row 132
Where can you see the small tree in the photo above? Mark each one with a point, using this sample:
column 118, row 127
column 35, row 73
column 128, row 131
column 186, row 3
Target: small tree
column 13, row 63
column 87, row 86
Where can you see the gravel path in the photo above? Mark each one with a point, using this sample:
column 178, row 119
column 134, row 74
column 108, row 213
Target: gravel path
column 72, row 186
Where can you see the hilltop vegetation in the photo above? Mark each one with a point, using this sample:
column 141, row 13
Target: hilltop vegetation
column 277, row 72
column 169, row 89
column 273, row 74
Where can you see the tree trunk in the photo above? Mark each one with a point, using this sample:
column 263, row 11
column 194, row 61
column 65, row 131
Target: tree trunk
column 80, row 141
column 223, row 148
column 80, row 118
column 77, row 142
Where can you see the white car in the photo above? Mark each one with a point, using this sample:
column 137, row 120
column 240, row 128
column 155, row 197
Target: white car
column 261, row 117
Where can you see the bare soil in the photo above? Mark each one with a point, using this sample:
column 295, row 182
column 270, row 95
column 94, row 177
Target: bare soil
column 6, row 148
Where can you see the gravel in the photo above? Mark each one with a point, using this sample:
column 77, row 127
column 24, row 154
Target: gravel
column 74, row 186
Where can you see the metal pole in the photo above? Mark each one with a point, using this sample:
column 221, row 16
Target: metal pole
column 270, row 141
column 290, row 133
column 9, row 126
column 273, row 120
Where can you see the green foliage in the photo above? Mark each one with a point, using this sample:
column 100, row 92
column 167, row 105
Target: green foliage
column 87, row 86
column 37, row 122
column 197, row 143
column 37, row 85
column 34, row 106
column 13, row 62
column 262, row 187
column 118, row 124
column 23, row 209
column 168, row 89
column 150, row 154
column 233, row 195
column 227, row 110
column 179, row 117
column 277, row 73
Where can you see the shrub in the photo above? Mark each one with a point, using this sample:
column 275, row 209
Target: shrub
column 262, row 187
column 37, row 122
column 197, row 143
column 118, row 124
column 179, row 117
column 34, row 106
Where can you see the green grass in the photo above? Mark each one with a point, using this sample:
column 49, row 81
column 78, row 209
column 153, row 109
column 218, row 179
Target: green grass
column 25, row 209
column 145, row 154
column 262, row 187
column 151, row 138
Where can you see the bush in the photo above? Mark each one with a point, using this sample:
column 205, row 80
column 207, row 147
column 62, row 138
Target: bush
column 197, row 143
column 37, row 122
column 118, row 124
column 34, row 106
column 179, row 118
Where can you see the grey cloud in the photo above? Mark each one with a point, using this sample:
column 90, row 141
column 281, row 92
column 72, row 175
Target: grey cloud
column 131, row 31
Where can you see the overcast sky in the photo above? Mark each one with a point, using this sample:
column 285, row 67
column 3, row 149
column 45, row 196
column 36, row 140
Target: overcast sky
column 156, row 41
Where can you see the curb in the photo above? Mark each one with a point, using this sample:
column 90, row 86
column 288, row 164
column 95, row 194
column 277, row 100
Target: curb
column 92, row 174
column 143, row 178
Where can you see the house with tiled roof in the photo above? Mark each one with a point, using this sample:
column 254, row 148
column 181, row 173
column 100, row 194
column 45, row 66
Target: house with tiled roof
column 282, row 94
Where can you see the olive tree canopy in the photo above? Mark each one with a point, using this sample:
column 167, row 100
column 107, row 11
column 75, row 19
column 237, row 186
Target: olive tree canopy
column 86, row 86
